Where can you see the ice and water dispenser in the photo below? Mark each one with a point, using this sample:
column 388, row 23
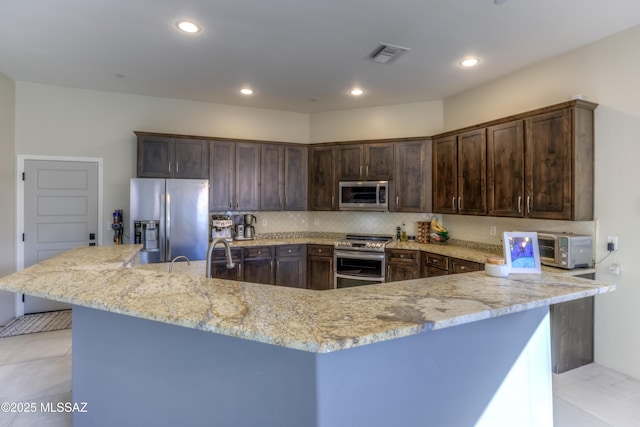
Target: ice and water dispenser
column 147, row 233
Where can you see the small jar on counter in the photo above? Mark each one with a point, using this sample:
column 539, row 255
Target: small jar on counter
column 496, row 267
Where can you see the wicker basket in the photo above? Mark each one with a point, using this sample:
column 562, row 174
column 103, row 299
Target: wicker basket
column 424, row 232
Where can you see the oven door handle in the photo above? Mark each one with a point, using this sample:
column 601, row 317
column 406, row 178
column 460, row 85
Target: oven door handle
column 359, row 255
column 361, row 278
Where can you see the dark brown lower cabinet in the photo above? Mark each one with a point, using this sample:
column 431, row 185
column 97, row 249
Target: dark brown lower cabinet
column 320, row 267
column 433, row 265
column 402, row 264
column 258, row 265
column 571, row 333
column 291, row 266
column 219, row 268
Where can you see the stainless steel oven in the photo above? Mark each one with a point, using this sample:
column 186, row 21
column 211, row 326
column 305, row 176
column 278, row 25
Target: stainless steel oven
column 359, row 260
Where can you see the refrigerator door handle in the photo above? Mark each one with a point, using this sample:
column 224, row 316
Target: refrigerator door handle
column 168, row 228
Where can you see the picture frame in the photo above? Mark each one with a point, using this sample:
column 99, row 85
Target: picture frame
column 521, row 252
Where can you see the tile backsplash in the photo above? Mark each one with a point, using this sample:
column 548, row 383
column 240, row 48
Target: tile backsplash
column 461, row 227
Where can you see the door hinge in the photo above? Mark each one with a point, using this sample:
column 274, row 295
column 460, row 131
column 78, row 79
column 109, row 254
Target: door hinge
column 22, row 297
column 23, row 237
column 23, row 176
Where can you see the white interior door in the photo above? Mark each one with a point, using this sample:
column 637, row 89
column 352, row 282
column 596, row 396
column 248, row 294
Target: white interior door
column 60, row 213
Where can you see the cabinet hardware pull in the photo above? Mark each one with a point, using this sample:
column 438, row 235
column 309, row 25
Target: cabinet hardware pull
column 367, row 170
column 529, row 204
column 388, row 271
column 519, row 204
column 239, row 270
column 459, row 203
column 360, row 170
column 453, row 203
column 169, row 167
column 332, row 198
column 397, row 202
column 177, row 167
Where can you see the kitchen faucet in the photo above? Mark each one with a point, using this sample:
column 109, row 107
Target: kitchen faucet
column 174, row 260
column 227, row 249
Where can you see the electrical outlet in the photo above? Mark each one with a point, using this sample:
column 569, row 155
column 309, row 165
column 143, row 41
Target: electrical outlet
column 614, row 241
column 492, row 230
column 264, row 222
column 316, row 221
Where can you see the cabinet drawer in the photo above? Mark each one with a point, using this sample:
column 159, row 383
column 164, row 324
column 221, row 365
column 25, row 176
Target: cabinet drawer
column 461, row 266
column 220, row 254
column 320, row 250
column 403, row 256
column 289, row 250
column 438, row 261
column 434, row 272
column 259, row 252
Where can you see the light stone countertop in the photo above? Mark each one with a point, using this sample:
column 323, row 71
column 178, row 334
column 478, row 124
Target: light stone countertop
column 313, row 321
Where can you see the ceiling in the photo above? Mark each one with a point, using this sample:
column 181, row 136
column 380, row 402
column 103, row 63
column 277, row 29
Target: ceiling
column 297, row 55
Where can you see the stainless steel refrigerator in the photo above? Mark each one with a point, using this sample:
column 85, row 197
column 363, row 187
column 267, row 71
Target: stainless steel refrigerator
column 170, row 217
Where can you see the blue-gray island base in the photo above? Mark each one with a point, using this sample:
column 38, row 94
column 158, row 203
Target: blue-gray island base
column 134, row 371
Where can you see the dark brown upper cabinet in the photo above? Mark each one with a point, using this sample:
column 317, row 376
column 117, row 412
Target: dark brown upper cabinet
column 234, row 174
column 283, row 177
column 166, row 157
column 365, row 162
column 505, row 169
column 459, row 173
column 322, row 178
column 411, row 188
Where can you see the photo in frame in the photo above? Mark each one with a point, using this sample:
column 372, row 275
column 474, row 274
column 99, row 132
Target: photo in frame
column 521, row 252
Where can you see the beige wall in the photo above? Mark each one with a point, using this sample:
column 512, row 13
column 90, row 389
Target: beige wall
column 392, row 121
column 7, row 192
column 605, row 72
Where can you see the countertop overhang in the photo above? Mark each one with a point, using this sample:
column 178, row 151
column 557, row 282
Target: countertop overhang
column 106, row 278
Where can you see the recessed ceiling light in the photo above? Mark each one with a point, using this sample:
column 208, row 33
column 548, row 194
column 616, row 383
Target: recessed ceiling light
column 469, row 62
column 246, row 91
column 187, row 26
column 356, row 92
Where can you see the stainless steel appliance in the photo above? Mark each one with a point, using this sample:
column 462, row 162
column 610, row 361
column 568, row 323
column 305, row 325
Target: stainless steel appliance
column 359, row 260
column 565, row 250
column 243, row 230
column 221, row 227
column 170, row 217
column 363, row 195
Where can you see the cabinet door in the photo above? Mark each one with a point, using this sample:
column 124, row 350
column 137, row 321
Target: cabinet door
column 320, row 267
column 472, row 172
column 219, row 268
column 191, row 159
column 399, row 272
column 402, row 265
column 322, row 179
column 445, row 175
column 295, row 178
column 350, row 163
column 549, row 165
column 247, row 196
column 155, row 157
column 221, row 175
column 505, row 169
column 258, row 270
column 271, row 179
column 412, row 178
column 378, row 161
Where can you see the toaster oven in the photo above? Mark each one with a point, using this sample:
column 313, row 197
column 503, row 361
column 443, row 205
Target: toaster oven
column 564, row 250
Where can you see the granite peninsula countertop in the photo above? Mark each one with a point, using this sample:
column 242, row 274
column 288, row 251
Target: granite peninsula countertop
column 106, row 278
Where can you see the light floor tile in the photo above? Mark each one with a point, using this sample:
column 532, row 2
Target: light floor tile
column 46, row 418
column 41, row 345
column 567, row 415
column 35, row 379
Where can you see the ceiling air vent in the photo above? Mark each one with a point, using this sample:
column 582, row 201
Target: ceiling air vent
column 386, row 53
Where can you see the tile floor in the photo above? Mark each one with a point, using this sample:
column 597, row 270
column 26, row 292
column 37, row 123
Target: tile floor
column 37, row 368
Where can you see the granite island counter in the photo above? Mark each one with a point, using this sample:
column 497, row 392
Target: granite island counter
column 167, row 349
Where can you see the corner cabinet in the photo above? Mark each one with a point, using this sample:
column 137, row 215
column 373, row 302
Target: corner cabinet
column 166, row 157
column 402, row 264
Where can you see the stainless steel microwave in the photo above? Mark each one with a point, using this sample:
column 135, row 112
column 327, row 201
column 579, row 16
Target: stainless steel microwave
column 363, row 195
column 565, row 250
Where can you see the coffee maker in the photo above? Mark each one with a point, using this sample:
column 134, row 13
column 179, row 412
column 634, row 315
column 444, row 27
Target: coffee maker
column 221, row 226
column 243, row 228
